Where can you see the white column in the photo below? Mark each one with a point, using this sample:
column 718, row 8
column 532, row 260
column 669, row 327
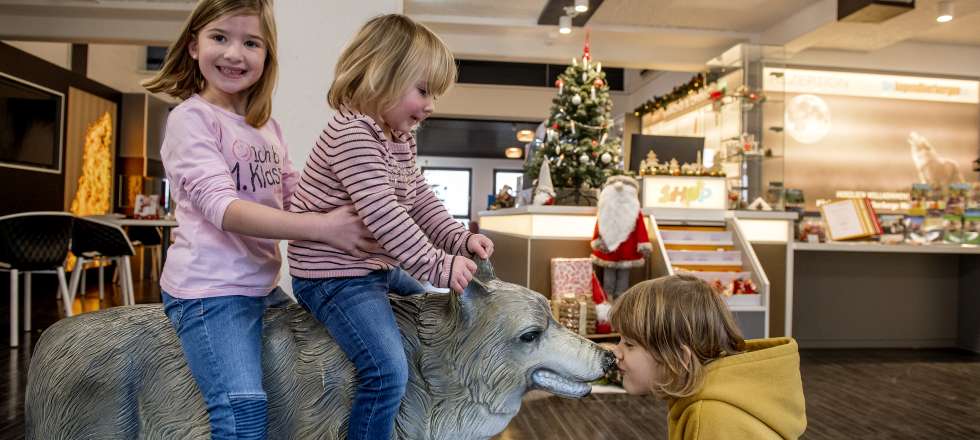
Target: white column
column 311, row 35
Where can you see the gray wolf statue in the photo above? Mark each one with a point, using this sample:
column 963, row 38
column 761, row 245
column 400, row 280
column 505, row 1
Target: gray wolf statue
column 120, row 373
column 932, row 168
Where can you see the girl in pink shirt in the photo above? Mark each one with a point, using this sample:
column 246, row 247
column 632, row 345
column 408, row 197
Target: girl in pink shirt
column 232, row 179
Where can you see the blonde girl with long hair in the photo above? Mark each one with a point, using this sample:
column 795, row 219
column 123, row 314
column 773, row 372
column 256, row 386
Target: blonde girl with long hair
column 386, row 82
column 680, row 342
column 232, row 179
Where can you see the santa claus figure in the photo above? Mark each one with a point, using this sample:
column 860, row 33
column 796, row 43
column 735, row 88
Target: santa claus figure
column 620, row 241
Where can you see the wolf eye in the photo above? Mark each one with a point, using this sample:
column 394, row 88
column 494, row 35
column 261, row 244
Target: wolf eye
column 530, row 336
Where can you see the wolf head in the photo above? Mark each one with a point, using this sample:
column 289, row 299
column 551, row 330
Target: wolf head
column 503, row 342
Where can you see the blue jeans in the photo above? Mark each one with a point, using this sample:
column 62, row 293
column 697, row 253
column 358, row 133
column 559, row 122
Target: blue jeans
column 357, row 314
column 222, row 341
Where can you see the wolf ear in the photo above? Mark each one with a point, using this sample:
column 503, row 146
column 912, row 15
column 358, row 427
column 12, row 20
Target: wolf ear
column 478, row 287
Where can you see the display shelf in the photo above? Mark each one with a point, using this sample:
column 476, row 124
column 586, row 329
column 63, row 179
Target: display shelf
column 887, row 248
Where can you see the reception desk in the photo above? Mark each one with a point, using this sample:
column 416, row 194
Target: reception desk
column 527, row 238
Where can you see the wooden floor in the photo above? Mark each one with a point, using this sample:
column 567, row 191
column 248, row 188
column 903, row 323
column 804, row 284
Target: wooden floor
column 850, row 394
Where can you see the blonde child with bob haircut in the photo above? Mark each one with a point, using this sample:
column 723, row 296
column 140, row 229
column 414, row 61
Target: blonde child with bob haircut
column 680, row 342
column 231, row 177
column 386, row 82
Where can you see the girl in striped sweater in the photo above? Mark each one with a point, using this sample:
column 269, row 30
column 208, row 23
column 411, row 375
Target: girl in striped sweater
column 385, row 84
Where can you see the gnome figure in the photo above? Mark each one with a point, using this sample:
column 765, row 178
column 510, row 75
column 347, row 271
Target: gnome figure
column 620, row 241
column 544, row 192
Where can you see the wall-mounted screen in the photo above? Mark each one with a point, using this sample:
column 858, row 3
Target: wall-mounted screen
column 30, row 125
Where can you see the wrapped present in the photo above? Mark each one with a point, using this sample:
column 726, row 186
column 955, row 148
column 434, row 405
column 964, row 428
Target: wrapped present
column 571, row 276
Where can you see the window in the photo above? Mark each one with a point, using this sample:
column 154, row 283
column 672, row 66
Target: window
column 453, row 186
column 506, row 177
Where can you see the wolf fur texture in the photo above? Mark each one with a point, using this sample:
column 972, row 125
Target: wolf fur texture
column 120, row 373
column 933, row 168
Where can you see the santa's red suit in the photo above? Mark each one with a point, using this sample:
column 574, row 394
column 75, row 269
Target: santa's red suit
column 629, row 253
column 620, row 240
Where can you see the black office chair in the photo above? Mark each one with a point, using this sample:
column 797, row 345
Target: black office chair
column 34, row 242
column 96, row 240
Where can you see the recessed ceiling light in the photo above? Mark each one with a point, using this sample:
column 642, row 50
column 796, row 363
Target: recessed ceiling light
column 945, row 12
column 581, row 5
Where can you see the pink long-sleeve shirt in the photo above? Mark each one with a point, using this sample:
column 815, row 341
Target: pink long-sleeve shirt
column 352, row 163
column 213, row 157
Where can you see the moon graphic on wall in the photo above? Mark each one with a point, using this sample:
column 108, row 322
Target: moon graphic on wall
column 807, row 119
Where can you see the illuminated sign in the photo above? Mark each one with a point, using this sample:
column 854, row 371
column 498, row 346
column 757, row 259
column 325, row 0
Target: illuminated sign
column 872, row 85
column 684, row 192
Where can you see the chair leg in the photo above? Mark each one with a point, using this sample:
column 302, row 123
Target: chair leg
column 139, row 275
column 76, row 276
column 101, row 283
column 63, row 287
column 155, row 262
column 14, row 325
column 129, row 298
column 27, row 301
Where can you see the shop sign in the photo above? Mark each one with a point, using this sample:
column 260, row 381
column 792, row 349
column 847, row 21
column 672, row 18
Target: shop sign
column 684, row 192
column 872, row 85
column 880, row 200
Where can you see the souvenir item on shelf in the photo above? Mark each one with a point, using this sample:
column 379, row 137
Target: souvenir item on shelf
column 674, row 168
column 776, row 196
column 918, row 199
column 849, row 219
column 571, row 276
column 576, row 313
column 620, row 240
column 504, row 199
column 795, row 199
column 892, row 228
column 812, row 230
column 971, row 216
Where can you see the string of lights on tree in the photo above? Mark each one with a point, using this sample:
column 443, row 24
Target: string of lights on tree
column 580, row 150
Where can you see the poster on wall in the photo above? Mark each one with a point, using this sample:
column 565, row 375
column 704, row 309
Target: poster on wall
column 853, row 131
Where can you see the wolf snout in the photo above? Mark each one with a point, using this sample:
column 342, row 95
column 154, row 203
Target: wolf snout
column 608, row 361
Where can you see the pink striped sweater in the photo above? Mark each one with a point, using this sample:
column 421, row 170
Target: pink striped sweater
column 353, row 163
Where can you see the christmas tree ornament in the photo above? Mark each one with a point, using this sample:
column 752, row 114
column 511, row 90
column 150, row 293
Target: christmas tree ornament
column 585, row 76
column 597, row 83
column 603, row 140
column 576, row 99
column 606, row 158
column 561, row 85
column 573, row 127
column 593, row 93
column 584, row 158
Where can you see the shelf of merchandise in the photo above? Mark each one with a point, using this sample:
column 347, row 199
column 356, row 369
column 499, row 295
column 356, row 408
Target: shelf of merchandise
column 753, row 319
column 841, row 246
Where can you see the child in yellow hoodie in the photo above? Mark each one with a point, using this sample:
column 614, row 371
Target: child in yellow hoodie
column 680, row 342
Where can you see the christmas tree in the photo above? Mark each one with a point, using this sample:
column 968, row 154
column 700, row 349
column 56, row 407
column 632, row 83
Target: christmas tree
column 580, row 151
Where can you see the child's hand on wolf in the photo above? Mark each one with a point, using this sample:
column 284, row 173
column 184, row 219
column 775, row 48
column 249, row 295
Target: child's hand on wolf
column 480, row 245
column 344, row 230
column 463, row 271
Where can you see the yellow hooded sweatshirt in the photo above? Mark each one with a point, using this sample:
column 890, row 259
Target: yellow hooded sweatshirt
column 757, row 394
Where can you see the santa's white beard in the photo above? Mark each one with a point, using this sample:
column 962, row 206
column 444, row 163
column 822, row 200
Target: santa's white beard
column 618, row 209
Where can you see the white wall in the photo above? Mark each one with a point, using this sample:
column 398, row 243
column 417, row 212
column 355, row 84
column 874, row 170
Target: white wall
column 311, row 35
column 482, row 175
column 55, row 53
column 512, row 103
